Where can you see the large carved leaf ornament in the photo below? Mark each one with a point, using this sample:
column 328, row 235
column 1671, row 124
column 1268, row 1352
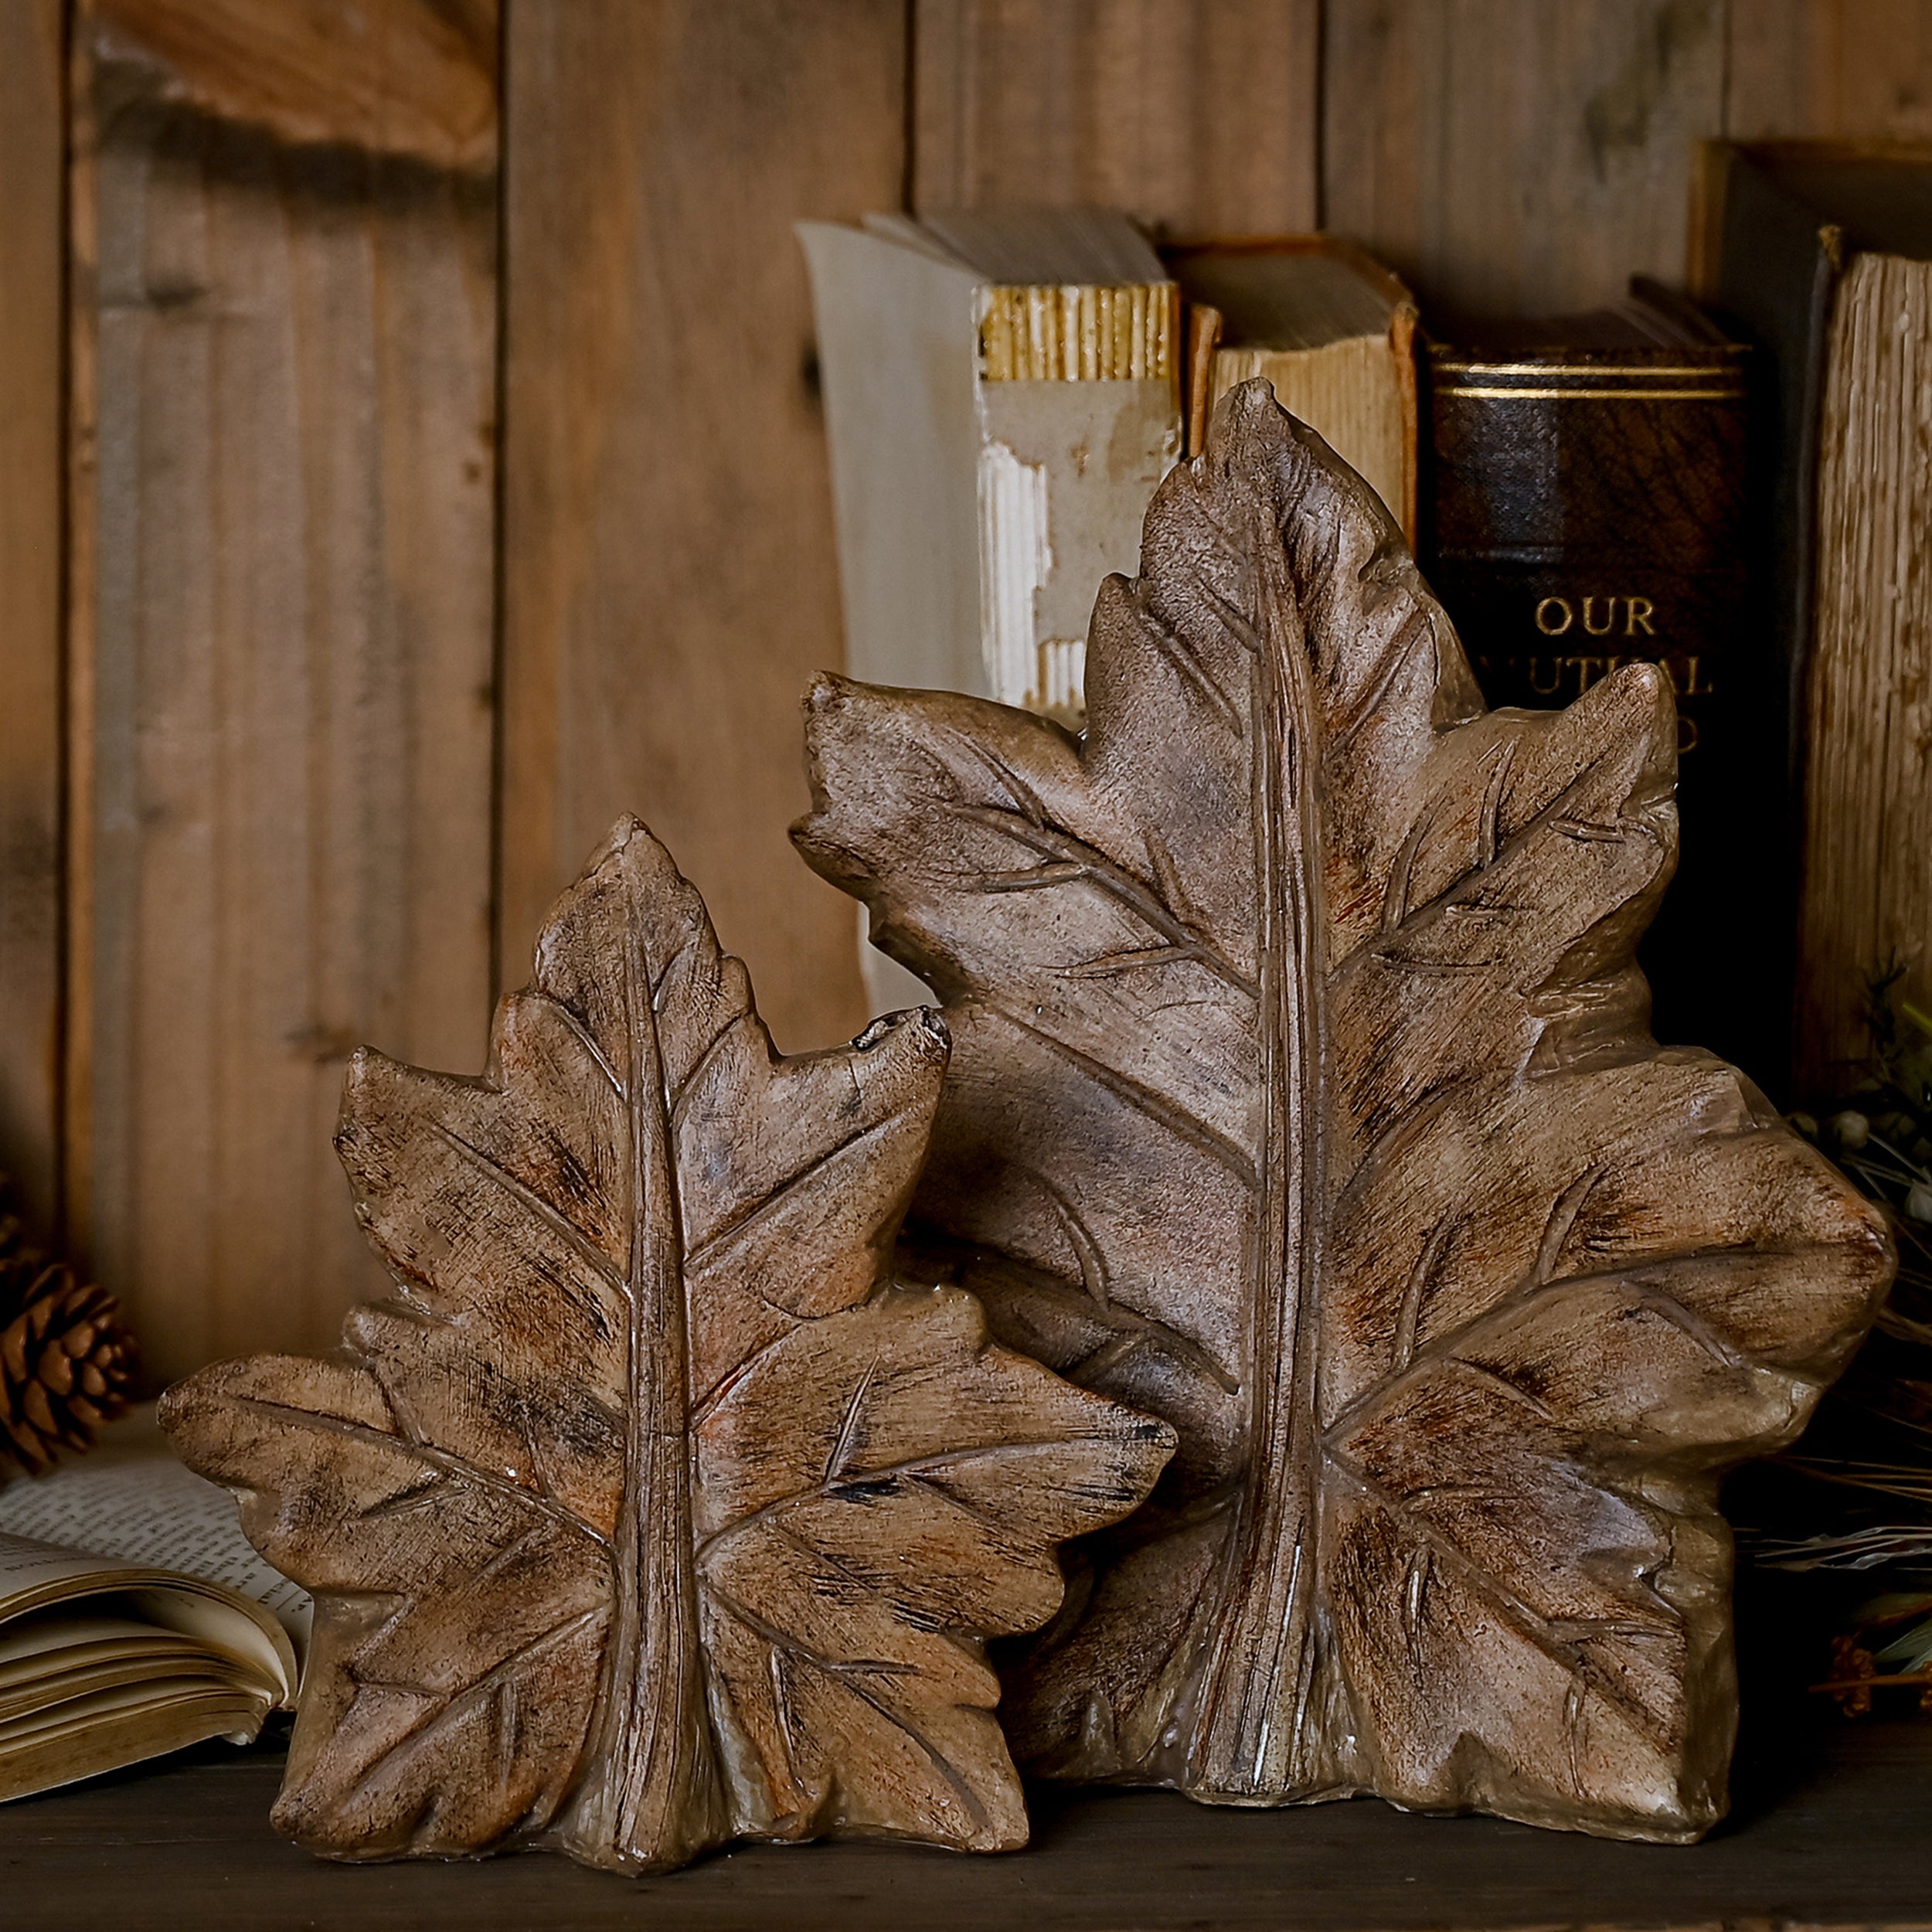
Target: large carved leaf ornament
column 1302, row 1092
column 650, row 1513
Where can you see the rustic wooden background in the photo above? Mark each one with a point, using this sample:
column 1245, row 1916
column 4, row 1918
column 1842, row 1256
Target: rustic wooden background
column 410, row 457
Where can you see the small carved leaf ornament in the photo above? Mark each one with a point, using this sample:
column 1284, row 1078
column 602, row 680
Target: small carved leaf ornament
column 649, row 1513
column 1302, row 1092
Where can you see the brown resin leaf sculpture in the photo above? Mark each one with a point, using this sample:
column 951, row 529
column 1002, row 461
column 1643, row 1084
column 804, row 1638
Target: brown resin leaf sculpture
column 649, row 1513
column 1302, row 1092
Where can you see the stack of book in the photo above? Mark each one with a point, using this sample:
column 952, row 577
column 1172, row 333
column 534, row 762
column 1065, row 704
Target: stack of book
column 1736, row 487
column 1004, row 391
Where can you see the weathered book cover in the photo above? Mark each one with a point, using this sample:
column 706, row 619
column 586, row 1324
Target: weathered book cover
column 1588, row 507
column 1791, row 249
column 1329, row 328
column 1002, row 393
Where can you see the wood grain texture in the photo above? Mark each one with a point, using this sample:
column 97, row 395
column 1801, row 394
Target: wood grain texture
column 1830, row 1839
column 1513, row 156
column 415, row 77
column 670, row 580
column 1199, row 120
column 1302, row 1092
column 32, row 488
column 687, row 1525
column 287, row 609
column 1829, row 69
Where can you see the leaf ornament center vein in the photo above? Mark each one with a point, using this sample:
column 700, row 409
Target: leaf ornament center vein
column 1442, row 904
column 650, row 1775
column 1260, row 1670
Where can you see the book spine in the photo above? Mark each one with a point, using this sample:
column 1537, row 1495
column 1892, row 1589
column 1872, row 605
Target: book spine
column 1590, row 509
column 1866, row 900
column 1080, row 333
column 1779, row 264
column 1079, row 400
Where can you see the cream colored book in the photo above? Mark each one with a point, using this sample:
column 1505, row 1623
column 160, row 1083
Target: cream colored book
column 1329, row 328
column 1002, row 393
column 134, row 1619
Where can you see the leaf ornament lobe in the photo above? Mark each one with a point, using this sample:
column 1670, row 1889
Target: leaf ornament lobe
column 1310, row 1094
column 648, row 1513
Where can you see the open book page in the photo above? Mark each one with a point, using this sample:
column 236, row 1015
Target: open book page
column 44, row 1587
column 58, row 1670
column 83, row 1737
column 104, row 1663
column 134, row 1617
column 147, row 1510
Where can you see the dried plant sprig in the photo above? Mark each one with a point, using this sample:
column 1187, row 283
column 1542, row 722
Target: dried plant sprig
column 1870, row 1452
column 1912, row 1481
column 1858, row 1549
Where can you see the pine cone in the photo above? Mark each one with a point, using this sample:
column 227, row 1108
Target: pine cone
column 67, row 1363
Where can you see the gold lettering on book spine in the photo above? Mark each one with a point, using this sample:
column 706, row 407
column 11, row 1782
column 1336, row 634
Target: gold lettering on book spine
column 1555, row 616
column 1080, row 333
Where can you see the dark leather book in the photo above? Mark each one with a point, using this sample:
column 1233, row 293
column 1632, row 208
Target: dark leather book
column 1587, row 493
column 1777, row 235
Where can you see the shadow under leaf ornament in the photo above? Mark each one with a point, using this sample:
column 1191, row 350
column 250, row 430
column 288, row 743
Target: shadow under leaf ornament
column 1302, row 1092
column 650, row 1513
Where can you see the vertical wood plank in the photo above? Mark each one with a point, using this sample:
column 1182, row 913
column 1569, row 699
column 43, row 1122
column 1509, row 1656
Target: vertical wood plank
column 32, row 488
column 670, row 578
column 1830, row 69
column 79, row 587
column 1514, row 156
column 1199, row 120
column 291, row 664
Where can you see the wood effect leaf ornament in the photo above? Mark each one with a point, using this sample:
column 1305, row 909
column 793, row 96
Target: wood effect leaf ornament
column 1302, row 1092
column 649, row 1513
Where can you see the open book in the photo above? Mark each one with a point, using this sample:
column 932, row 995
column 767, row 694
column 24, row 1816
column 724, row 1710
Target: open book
column 134, row 1619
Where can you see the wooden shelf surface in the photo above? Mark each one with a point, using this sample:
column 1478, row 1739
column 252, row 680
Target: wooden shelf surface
column 1832, row 1829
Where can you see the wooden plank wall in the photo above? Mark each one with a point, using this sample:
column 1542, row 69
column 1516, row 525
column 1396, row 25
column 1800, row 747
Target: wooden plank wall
column 1197, row 120
column 33, row 162
column 1529, row 156
column 1829, row 69
column 668, row 574
column 287, row 825
column 341, row 719
column 1511, row 155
